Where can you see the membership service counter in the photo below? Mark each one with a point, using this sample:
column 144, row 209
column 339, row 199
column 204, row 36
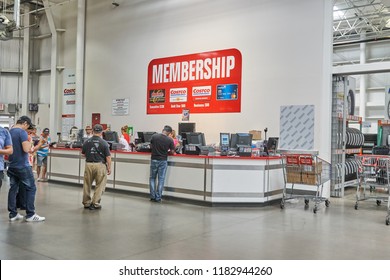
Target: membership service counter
column 210, row 180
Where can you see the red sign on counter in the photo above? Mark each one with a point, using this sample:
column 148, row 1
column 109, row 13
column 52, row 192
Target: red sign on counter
column 207, row 82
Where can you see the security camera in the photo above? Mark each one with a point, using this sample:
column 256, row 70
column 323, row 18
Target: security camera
column 115, row 4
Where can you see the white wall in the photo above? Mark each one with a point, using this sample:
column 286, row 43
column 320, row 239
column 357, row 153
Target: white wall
column 285, row 60
column 281, row 64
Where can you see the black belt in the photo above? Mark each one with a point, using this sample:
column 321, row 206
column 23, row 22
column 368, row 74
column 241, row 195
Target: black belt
column 95, row 162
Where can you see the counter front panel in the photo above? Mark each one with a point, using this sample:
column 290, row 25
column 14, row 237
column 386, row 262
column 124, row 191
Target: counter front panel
column 211, row 179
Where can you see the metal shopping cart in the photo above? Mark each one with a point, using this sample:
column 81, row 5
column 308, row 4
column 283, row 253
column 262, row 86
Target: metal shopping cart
column 305, row 169
column 374, row 180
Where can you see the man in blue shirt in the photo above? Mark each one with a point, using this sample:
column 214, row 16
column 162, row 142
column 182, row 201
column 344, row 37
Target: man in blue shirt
column 5, row 149
column 20, row 172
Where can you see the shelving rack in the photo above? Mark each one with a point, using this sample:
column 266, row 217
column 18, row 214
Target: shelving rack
column 370, row 141
column 343, row 166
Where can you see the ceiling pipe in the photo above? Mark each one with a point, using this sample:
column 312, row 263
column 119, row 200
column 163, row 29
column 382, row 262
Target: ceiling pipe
column 17, row 13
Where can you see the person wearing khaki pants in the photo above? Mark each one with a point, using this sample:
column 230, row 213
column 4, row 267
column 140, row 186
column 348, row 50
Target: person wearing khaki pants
column 94, row 171
column 97, row 167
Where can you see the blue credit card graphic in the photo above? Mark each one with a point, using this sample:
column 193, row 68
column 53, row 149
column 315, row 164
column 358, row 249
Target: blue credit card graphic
column 227, row 92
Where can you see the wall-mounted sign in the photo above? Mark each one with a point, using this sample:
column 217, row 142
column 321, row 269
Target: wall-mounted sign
column 207, row 82
column 120, row 107
column 68, row 101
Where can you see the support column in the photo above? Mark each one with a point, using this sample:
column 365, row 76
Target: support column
column 363, row 78
column 80, row 51
column 54, row 107
column 26, row 64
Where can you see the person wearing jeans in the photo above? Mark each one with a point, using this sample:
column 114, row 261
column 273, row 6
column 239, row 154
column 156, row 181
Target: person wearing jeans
column 5, row 149
column 21, row 178
column 161, row 145
column 20, row 172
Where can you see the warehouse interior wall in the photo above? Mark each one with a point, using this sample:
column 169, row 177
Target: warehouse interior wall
column 281, row 64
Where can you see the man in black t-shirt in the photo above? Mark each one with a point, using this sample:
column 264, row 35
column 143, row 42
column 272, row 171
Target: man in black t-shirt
column 97, row 167
column 161, row 145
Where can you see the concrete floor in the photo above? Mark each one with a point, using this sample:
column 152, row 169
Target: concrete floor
column 133, row 228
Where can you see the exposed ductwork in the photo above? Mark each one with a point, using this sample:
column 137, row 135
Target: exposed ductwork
column 6, row 28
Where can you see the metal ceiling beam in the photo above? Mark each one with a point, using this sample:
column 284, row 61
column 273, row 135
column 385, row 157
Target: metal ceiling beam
column 361, row 41
column 368, row 15
column 360, row 16
column 361, row 69
column 360, row 6
column 31, row 2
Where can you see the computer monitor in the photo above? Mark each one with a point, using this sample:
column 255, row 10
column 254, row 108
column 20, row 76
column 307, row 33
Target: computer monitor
column 240, row 139
column 80, row 135
column 140, row 138
column 186, row 127
column 195, row 138
column 272, row 143
column 224, row 139
column 111, row 136
column 145, row 136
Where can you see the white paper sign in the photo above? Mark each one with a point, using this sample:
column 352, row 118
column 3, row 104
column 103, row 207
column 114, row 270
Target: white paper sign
column 120, row 107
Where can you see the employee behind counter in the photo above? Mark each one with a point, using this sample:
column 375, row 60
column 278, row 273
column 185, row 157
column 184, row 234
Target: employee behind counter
column 237, row 144
column 193, row 143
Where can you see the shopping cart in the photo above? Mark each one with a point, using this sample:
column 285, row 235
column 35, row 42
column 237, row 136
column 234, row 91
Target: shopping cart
column 374, row 180
column 305, row 169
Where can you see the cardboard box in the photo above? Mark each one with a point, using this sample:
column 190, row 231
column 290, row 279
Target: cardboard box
column 310, row 178
column 314, row 168
column 256, row 134
column 311, row 174
column 294, row 174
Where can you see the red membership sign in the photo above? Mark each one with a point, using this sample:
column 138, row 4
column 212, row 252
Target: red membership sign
column 208, row 82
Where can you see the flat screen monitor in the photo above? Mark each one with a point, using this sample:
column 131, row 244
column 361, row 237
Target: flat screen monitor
column 224, row 139
column 140, row 137
column 272, row 143
column 195, row 138
column 145, row 136
column 80, row 135
column 111, row 136
column 240, row 139
column 186, row 127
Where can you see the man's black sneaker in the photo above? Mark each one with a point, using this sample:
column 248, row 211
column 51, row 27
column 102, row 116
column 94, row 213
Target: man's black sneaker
column 95, row 207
